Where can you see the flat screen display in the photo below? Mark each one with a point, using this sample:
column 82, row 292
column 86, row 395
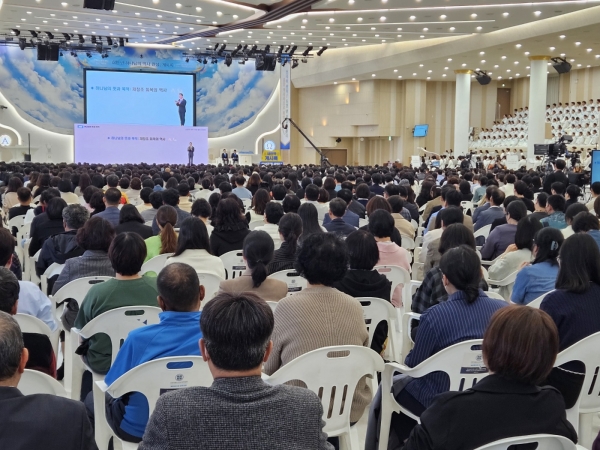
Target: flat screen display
column 420, row 130
column 141, row 98
column 595, row 166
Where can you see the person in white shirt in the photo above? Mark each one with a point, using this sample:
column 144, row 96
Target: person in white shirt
column 145, row 197
column 240, row 190
column 202, row 210
column 273, row 214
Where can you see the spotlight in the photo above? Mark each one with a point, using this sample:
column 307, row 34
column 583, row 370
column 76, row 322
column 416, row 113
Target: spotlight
column 280, row 51
column 50, row 35
column 320, row 52
column 242, row 62
column 61, row 53
column 121, row 42
column 244, row 48
column 15, row 32
column 307, row 51
column 187, row 60
column 228, row 60
column 33, row 42
column 82, row 39
column 561, row 65
column 88, row 54
column 293, row 50
column 287, row 49
column 204, row 61
column 253, row 49
column 94, row 39
column 22, row 43
column 222, row 49
column 283, row 62
column 141, row 56
column 214, row 61
column 216, row 46
column 33, row 33
column 99, row 47
column 74, row 55
column 304, row 60
column 236, row 50
column 109, row 41
column 482, row 77
column 294, row 63
column 67, row 36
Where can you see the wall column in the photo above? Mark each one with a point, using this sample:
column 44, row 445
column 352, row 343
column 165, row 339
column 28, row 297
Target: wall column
column 462, row 105
column 538, row 82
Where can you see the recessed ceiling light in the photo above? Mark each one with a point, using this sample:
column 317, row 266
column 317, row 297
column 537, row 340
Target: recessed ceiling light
column 359, row 19
column 64, row 4
column 443, row 74
column 425, row 29
column 464, row 64
column 382, row 19
column 589, row 50
column 412, row 17
column 473, row 15
column 552, row 49
column 577, row 44
column 479, row 28
column 420, row 65
column 526, row 53
column 399, row 76
column 518, row 45
column 443, row 16
column 503, row 57
column 304, row 20
column 562, row 36
column 395, row 70
column 452, row 28
column 178, row 5
column 429, row 71
column 537, row 13
column 445, row 68
column 496, row 66
column 415, row 74
column 482, row 53
column 331, row 20
column 449, row 59
column 372, row 74
column 505, row 14
column 483, row 61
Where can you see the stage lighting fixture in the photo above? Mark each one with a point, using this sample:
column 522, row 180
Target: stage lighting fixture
column 94, row 39
column 33, row 33
column 187, row 60
column 214, row 61
column 561, row 65
column 245, row 47
column 280, row 51
column 22, row 43
column 320, row 52
column 50, row 35
column 304, row 60
column 204, row 61
column 287, row 49
column 295, row 63
column 121, row 42
column 216, row 46
column 294, row 48
column 109, row 41
column 88, row 54
column 82, row 39
column 482, row 77
column 99, row 47
column 267, row 48
column 242, row 62
column 74, row 55
column 307, row 51
column 15, row 32
column 265, row 62
column 228, row 60
column 222, row 49
column 236, row 50
column 253, row 49
column 283, row 61
column 61, row 54
column 107, row 5
column 33, row 41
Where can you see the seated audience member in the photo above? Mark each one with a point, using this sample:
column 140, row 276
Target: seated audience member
column 587, row 223
column 523, row 193
column 574, row 308
column 257, row 253
column 63, row 246
column 595, row 190
column 311, row 195
column 515, row 254
column 24, row 199
column 10, row 197
column 112, row 198
column 273, row 214
column 451, row 197
column 290, row 230
column 555, row 206
column 465, row 191
column 146, row 204
column 492, row 213
column 310, row 221
column 404, row 226
column 177, row 334
column 363, row 194
column 353, row 206
column 94, row 238
column 361, row 280
column 444, row 204
column 240, row 191
column 381, row 226
column 486, row 202
column 156, row 202
column 509, row 401
column 66, row 192
column 236, row 331
column 558, row 188
column 540, row 206
column 504, row 235
column 259, row 202
column 193, row 249
column 171, row 198
column 348, row 216
column 539, row 277
column 230, row 227
column 430, row 254
column 290, row 204
column 39, row 420
column 337, row 224
column 375, row 204
column 46, row 224
column 41, row 354
column 131, row 221
column 329, row 317
column 570, row 214
column 128, row 288
column 184, row 197
column 431, row 292
column 166, row 241
column 96, row 203
column 596, row 207
column 572, row 194
column 202, row 210
column 444, row 325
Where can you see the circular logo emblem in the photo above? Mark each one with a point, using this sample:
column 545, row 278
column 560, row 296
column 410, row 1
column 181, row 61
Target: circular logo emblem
column 270, row 146
column 5, row 140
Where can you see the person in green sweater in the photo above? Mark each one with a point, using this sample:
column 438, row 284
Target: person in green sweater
column 127, row 253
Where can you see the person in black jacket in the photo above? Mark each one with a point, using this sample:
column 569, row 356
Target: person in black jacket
column 46, row 224
column 39, row 420
column 557, row 175
column 131, row 220
column 508, row 402
column 230, row 227
column 362, row 281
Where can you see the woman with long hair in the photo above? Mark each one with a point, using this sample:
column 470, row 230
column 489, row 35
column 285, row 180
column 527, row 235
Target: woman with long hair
column 253, row 183
column 310, row 221
column 130, row 220
column 230, row 227
column 290, row 230
column 425, row 194
column 166, row 241
column 259, row 203
column 84, row 181
column 10, row 198
column 43, row 183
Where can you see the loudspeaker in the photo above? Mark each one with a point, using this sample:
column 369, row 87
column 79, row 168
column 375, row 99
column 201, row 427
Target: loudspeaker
column 108, row 5
column 562, row 67
column 47, row 52
column 27, row 158
column 266, row 61
column 42, row 52
column 483, row 79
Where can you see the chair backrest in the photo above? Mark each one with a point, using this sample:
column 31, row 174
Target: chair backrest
column 272, row 304
column 255, row 223
column 53, row 270
column 155, row 264
column 76, row 289
column 363, row 222
column 398, row 276
column 332, row 373
column 467, row 207
column 211, row 284
column 154, row 378
column 17, row 222
column 31, row 324
column 509, row 279
column 407, row 243
column 483, row 231
column 295, row 282
column 377, row 310
column 544, row 442
column 34, row 382
column 117, row 323
column 234, row 264
column 492, row 294
column 538, row 301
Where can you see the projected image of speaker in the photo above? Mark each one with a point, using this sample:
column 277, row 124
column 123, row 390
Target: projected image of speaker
column 266, row 61
column 108, row 5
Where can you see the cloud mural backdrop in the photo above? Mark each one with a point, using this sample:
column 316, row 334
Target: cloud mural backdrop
column 50, row 94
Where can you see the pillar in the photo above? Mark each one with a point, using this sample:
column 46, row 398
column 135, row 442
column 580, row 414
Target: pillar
column 462, row 107
column 538, row 81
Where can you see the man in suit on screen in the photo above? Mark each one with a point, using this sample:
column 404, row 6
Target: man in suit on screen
column 181, row 104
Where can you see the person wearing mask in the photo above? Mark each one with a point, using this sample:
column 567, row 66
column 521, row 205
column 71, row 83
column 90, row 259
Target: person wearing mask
column 539, row 277
column 555, row 206
column 166, row 241
column 290, row 230
column 46, row 224
column 193, row 249
column 257, row 252
column 504, row 235
column 230, row 227
column 111, row 213
column 507, row 402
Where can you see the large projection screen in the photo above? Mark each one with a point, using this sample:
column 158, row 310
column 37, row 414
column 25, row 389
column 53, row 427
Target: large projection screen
column 140, row 98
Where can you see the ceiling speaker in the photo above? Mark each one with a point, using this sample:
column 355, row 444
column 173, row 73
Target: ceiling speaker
column 108, row 5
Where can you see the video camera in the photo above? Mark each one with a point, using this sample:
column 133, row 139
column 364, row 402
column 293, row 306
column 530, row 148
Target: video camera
column 555, row 150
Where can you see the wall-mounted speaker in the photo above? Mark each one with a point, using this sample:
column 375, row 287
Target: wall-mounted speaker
column 108, row 5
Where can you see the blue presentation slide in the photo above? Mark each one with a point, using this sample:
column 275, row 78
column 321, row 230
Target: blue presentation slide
column 139, row 98
column 595, row 166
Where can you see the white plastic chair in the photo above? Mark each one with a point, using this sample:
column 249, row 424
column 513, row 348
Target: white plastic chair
column 295, row 282
column 407, row 326
column 234, row 264
column 31, row 267
column 329, row 372
column 17, row 222
column 408, row 243
column 467, row 207
column 155, row 264
column 538, row 301
column 31, row 324
column 588, row 403
column 397, row 275
column 273, row 305
column 377, row 310
column 544, row 441
column 463, row 362
column 211, row 284
column 149, row 223
column 483, row 231
column 52, row 270
column 116, row 324
column 150, row 379
column 506, row 282
column 77, row 290
column 255, row 223
column 492, row 294
column 34, row 382
column 363, row 222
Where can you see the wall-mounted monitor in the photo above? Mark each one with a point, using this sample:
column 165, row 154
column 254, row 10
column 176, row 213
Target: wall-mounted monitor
column 420, row 130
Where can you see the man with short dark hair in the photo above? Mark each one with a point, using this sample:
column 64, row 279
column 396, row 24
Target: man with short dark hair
column 375, row 188
column 278, row 192
column 594, row 188
column 184, row 197
column 350, row 217
column 112, row 198
column 236, row 331
column 336, row 224
column 555, row 206
column 35, row 421
column 273, row 214
column 353, row 206
column 504, row 235
column 156, row 202
column 177, row 334
column 494, row 212
column 557, row 175
column 24, row 198
column 587, row 223
column 240, row 190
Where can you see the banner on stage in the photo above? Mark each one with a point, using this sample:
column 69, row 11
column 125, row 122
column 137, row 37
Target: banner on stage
column 285, row 109
column 271, row 157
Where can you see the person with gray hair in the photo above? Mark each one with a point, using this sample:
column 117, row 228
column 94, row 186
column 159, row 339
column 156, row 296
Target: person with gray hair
column 63, row 246
column 38, row 420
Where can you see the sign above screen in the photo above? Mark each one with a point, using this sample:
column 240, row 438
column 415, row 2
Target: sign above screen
column 420, row 130
column 140, row 98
